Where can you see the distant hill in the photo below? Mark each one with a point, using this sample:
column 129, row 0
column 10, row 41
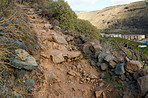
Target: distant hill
column 125, row 19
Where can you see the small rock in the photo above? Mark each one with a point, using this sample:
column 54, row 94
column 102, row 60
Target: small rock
column 108, row 58
column 59, row 39
column 101, row 84
column 133, row 66
column 102, row 75
column 48, row 26
column 52, row 76
column 120, row 69
column 100, row 94
column 22, row 59
column 112, row 64
column 91, row 76
column 58, row 58
column 29, row 83
column 69, row 38
column 104, row 66
column 73, row 73
column 92, row 63
column 143, row 85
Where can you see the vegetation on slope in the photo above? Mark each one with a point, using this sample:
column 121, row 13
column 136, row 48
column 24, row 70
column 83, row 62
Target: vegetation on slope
column 61, row 11
column 128, row 18
column 129, row 48
column 86, row 28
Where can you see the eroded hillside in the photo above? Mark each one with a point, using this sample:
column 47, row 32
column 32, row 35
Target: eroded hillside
column 128, row 18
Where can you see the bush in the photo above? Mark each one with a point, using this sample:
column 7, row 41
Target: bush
column 86, row 28
column 61, row 11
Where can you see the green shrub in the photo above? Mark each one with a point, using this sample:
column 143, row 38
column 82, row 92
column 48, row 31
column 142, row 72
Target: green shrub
column 86, row 28
column 61, row 11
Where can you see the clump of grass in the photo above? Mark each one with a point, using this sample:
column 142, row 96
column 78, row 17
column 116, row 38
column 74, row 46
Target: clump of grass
column 109, row 79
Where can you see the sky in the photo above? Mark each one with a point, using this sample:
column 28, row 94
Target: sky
column 92, row 5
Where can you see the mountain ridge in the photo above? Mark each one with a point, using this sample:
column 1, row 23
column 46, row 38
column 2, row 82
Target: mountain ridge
column 125, row 19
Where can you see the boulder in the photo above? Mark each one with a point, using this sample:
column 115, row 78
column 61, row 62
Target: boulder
column 133, row 66
column 143, row 72
column 57, row 58
column 86, row 48
column 104, row 66
column 112, row 64
column 84, row 39
column 96, row 47
column 101, row 56
column 72, row 54
column 22, row 60
column 143, row 85
column 119, row 70
column 59, row 39
column 108, row 58
column 7, row 43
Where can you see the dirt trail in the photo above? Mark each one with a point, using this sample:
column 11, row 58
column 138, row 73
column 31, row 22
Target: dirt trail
column 69, row 79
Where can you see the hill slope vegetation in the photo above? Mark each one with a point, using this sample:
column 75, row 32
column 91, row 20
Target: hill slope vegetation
column 127, row 18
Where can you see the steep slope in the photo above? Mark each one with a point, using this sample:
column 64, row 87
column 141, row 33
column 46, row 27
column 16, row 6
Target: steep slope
column 128, row 18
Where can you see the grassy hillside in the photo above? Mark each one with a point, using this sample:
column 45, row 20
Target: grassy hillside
column 127, row 18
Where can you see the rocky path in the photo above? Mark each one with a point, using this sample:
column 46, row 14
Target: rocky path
column 65, row 75
column 66, row 72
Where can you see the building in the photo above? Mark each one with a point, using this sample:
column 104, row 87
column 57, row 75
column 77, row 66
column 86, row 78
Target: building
column 133, row 37
column 129, row 37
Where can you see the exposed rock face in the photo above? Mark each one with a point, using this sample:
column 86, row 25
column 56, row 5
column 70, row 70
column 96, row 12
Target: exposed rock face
column 133, row 66
column 23, row 60
column 119, row 70
column 143, row 85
